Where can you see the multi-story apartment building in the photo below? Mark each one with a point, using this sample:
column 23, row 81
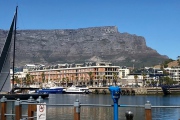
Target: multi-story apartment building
column 123, row 72
column 82, row 74
column 174, row 73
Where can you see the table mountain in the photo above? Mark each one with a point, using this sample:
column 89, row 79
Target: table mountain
column 82, row 45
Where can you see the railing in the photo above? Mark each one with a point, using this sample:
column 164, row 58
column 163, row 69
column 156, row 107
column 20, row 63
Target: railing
column 32, row 107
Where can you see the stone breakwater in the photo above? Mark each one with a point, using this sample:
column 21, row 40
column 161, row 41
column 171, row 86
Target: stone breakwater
column 129, row 90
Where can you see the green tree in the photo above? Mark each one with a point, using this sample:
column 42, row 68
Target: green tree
column 63, row 80
column 43, row 77
column 109, row 81
column 91, row 78
column 104, row 80
column 144, row 78
column 168, row 81
column 147, row 82
column 28, row 79
column 67, row 81
column 81, row 79
column 178, row 62
column 77, row 82
column 165, row 63
column 16, row 79
column 32, row 79
column 72, row 79
column 153, row 82
column 115, row 76
column 98, row 77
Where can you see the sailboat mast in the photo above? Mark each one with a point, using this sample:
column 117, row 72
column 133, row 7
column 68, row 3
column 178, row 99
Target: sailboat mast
column 14, row 47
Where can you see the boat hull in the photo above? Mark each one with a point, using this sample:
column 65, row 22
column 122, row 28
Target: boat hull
column 76, row 93
column 76, row 90
column 50, row 91
column 167, row 89
column 23, row 96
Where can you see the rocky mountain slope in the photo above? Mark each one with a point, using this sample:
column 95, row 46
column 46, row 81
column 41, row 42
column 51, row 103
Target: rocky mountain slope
column 82, row 45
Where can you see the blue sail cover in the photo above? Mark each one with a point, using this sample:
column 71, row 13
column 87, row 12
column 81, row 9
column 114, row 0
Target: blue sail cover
column 5, row 83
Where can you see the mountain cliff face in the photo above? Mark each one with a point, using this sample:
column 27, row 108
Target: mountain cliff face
column 82, row 45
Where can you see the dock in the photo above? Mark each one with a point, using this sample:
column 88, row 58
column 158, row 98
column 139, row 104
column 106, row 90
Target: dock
column 134, row 91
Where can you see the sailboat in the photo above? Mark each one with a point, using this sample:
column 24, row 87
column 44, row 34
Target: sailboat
column 6, row 89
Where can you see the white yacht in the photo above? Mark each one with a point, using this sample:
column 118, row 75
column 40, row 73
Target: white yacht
column 77, row 90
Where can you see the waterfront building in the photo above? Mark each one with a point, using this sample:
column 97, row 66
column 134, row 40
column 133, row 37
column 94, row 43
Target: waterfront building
column 19, row 77
column 33, row 66
column 174, row 73
column 93, row 74
column 123, row 72
column 130, row 80
column 29, row 66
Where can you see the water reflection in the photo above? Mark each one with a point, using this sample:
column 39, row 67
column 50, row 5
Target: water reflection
column 106, row 113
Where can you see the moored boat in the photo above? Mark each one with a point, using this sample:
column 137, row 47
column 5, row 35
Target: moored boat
column 169, row 89
column 51, row 90
column 23, row 96
column 77, row 90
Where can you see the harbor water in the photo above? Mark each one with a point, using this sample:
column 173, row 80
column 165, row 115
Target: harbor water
column 106, row 113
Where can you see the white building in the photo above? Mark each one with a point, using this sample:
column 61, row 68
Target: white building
column 123, row 73
column 30, row 66
column 174, row 73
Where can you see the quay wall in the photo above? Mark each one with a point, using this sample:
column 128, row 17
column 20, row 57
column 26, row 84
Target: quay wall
column 129, row 90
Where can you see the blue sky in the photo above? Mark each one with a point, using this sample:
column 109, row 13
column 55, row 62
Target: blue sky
column 158, row 21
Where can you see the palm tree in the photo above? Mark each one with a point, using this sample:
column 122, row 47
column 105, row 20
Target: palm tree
column 32, row 79
column 144, row 77
column 136, row 77
column 28, row 79
column 43, row 77
column 72, row 79
column 77, row 83
column 98, row 77
column 81, row 79
column 67, row 81
column 91, row 78
column 115, row 76
column 16, row 79
column 104, row 80
column 109, row 81
column 63, row 80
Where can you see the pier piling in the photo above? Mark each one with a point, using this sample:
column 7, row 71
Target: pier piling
column 3, row 108
column 148, row 114
column 76, row 110
column 18, row 109
column 31, row 108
